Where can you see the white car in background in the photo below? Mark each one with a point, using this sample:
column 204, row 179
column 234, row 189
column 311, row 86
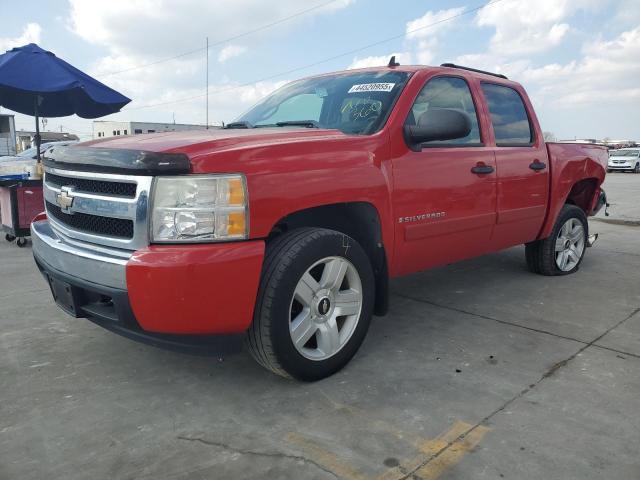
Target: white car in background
column 624, row 160
column 30, row 153
column 21, row 163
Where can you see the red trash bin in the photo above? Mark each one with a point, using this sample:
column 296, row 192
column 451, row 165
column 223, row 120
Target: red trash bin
column 20, row 202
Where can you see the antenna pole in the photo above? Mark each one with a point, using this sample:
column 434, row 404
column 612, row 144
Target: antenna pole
column 207, row 116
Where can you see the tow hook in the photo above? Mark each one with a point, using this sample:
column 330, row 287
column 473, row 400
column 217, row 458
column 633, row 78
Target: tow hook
column 592, row 239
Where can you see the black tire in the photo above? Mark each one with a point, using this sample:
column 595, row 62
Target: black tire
column 21, row 242
column 287, row 258
column 9, row 238
column 637, row 168
column 541, row 254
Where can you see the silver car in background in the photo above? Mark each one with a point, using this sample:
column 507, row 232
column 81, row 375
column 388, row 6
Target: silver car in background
column 624, row 160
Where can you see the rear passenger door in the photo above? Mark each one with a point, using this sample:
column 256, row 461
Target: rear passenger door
column 522, row 166
column 444, row 195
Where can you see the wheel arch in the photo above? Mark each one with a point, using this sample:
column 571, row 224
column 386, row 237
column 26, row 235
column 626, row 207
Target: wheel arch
column 581, row 194
column 359, row 220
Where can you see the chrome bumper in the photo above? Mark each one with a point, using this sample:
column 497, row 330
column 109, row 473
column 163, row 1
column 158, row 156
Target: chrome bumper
column 100, row 267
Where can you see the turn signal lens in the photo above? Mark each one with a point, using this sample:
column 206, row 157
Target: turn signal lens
column 236, row 191
column 237, row 224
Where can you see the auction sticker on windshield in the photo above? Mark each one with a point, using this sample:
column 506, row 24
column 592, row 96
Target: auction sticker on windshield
column 372, row 87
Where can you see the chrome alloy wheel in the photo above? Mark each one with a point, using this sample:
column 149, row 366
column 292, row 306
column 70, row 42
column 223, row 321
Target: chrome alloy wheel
column 570, row 244
column 325, row 308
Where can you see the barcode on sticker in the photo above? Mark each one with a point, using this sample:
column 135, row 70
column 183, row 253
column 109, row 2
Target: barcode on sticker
column 372, row 87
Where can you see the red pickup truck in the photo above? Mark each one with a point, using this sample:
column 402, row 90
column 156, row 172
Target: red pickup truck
column 283, row 228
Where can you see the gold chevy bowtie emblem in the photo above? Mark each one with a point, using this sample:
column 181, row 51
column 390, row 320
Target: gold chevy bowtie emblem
column 64, row 199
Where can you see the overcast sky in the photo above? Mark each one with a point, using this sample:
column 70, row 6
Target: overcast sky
column 579, row 59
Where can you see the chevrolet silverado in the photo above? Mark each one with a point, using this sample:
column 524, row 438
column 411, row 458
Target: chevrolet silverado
column 283, row 229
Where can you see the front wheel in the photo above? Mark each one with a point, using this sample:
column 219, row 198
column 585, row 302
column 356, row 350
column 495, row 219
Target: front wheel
column 637, row 168
column 314, row 304
column 562, row 252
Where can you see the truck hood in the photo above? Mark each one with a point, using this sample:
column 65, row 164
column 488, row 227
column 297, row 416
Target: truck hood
column 198, row 142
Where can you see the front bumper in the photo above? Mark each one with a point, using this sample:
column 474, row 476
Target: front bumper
column 618, row 167
column 196, row 298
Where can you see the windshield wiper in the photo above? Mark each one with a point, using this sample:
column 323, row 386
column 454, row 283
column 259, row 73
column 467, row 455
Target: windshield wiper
column 299, row 123
column 241, row 124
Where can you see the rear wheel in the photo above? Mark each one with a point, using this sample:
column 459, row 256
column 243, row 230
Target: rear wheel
column 562, row 252
column 314, row 304
column 637, row 168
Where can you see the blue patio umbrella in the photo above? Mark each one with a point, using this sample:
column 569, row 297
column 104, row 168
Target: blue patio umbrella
column 35, row 82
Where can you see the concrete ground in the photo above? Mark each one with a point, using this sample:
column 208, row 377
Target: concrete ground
column 481, row 370
column 623, row 191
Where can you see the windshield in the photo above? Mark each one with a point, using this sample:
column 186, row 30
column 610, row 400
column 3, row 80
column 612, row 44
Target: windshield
column 357, row 103
column 624, row 153
column 28, row 153
column 31, row 152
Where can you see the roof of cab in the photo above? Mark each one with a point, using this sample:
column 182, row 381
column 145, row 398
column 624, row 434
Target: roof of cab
column 444, row 69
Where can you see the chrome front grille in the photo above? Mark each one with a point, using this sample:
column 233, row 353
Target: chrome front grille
column 120, row 189
column 113, row 227
column 98, row 208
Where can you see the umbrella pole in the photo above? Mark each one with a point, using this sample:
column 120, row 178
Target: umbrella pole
column 37, row 139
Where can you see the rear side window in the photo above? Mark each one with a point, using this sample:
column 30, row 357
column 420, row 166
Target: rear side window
column 509, row 117
column 450, row 93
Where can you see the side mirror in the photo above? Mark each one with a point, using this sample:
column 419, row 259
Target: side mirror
column 437, row 124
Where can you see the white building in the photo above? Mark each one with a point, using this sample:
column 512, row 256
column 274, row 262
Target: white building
column 103, row 128
column 7, row 135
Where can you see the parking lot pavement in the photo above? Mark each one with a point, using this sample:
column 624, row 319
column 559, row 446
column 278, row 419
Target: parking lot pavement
column 481, row 370
column 623, row 191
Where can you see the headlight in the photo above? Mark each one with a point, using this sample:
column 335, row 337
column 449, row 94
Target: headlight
column 198, row 208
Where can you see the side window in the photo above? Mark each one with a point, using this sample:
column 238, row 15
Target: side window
column 451, row 93
column 306, row 106
column 509, row 117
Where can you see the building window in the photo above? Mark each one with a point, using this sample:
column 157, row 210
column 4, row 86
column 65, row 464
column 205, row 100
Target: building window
column 151, row 131
column 137, row 131
column 114, row 133
column 118, row 132
column 125, row 132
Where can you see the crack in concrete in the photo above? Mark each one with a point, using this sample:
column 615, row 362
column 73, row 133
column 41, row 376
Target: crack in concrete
column 630, row 222
column 618, row 252
column 615, row 350
column 524, row 327
column 549, row 373
column 241, row 451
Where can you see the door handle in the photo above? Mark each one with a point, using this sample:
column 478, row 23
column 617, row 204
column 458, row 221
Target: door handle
column 482, row 169
column 537, row 165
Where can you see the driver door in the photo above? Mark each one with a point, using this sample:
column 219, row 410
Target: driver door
column 445, row 206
